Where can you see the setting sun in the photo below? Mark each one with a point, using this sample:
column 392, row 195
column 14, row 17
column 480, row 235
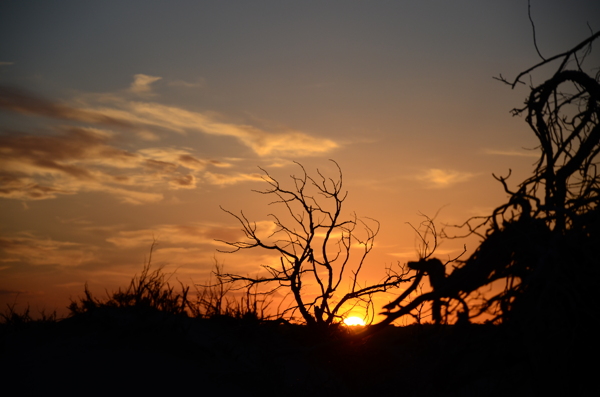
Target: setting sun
column 354, row 321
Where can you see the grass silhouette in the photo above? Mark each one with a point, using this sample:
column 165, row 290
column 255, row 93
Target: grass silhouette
column 148, row 291
column 150, row 337
column 146, row 338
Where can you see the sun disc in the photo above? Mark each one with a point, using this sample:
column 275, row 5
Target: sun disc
column 354, row 321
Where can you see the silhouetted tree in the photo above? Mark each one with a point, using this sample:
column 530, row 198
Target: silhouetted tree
column 553, row 215
column 314, row 244
column 543, row 241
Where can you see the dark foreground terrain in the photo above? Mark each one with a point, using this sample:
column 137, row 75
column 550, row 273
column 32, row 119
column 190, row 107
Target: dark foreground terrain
column 121, row 351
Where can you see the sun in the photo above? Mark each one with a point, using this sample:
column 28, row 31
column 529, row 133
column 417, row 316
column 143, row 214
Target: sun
column 354, row 321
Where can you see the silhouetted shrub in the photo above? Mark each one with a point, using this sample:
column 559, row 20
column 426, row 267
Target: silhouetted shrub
column 150, row 290
column 218, row 300
column 11, row 317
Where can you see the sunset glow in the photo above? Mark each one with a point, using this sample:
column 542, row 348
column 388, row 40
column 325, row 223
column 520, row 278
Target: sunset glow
column 335, row 197
column 128, row 123
column 354, row 321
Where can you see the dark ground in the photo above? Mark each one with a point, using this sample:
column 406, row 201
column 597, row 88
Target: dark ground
column 115, row 351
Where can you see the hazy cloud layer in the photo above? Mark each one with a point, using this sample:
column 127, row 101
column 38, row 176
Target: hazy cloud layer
column 35, row 250
column 153, row 115
column 230, row 179
column 438, row 178
column 20, row 101
column 187, row 84
column 84, row 157
column 118, row 111
column 35, row 167
column 513, row 153
column 189, row 234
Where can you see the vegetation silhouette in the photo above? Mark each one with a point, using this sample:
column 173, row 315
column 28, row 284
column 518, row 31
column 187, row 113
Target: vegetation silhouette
column 148, row 291
column 548, row 229
column 314, row 241
column 542, row 245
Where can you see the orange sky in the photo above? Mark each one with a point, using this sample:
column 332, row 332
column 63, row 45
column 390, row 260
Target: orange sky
column 124, row 122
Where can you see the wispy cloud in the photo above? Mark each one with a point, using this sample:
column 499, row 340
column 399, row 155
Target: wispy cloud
column 439, row 178
column 179, row 120
column 85, row 156
column 20, row 101
column 406, row 255
column 223, row 179
column 141, row 83
column 36, row 167
column 187, row 84
column 512, row 153
column 147, row 118
column 174, row 234
column 182, row 235
column 36, row 250
column 6, row 63
column 413, row 254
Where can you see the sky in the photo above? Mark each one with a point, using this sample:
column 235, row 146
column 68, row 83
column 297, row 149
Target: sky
column 124, row 123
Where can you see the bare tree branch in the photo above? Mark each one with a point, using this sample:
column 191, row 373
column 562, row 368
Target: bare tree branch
column 315, row 245
column 566, row 55
column 530, row 242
